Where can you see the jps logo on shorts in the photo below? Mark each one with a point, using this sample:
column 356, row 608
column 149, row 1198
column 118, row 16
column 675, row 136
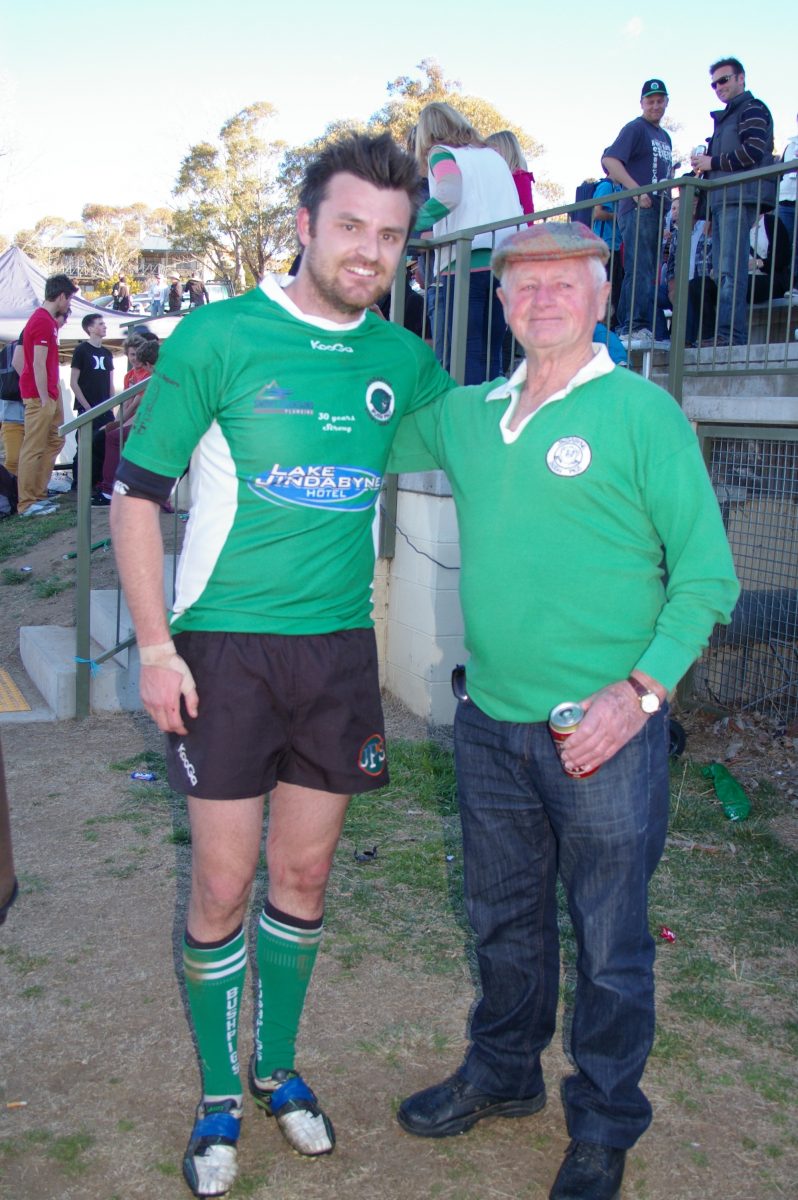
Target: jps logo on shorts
column 371, row 760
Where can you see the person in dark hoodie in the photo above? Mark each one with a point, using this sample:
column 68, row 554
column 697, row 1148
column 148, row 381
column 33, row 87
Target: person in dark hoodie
column 742, row 141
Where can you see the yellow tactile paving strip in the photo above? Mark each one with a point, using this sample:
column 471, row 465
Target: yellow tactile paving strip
column 11, row 698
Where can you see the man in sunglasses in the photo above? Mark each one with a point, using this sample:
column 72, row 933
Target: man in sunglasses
column 742, row 141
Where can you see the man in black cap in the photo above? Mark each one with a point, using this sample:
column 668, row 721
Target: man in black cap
column 641, row 153
column 589, row 478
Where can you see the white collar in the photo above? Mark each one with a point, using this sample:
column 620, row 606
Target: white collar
column 274, row 287
column 600, row 364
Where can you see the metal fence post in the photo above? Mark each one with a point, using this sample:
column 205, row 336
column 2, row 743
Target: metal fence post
column 83, row 589
column 462, row 283
column 681, row 281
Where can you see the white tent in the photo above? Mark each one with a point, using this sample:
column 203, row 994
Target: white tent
column 22, row 291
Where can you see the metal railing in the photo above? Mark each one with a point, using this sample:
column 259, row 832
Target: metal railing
column 84, row 427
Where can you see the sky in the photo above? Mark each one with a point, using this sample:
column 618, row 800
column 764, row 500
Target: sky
column 99, row 103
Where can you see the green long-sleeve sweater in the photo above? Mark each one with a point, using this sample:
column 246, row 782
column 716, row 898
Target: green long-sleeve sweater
column 590, row 545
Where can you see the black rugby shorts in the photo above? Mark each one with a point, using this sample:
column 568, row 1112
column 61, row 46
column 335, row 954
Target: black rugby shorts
column 302, row 709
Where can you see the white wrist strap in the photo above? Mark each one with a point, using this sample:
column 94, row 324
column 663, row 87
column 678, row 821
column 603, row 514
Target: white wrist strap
column 165, row 655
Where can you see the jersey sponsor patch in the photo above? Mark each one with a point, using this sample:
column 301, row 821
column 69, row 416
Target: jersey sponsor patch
column 380, row 401
column 569, row 456
column 342, row 489
column 275, row 399
column 371, row 759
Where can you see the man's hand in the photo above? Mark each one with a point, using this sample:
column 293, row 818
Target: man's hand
column 701, row 163
column 165, row 677
column 644, row 200
column 612, row 718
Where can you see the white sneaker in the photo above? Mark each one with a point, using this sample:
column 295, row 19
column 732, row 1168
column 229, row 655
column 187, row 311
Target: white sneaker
column 40, row 508
column 641, row 339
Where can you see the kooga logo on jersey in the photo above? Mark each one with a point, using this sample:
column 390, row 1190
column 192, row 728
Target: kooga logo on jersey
column 315, row 344
column 347, row 489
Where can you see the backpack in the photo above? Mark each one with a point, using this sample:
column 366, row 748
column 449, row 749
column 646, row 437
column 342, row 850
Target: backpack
column 584, row 191
column 8, row 493
column 9, row 380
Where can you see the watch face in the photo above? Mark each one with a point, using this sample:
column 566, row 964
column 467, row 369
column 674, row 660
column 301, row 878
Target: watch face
column 650, row 703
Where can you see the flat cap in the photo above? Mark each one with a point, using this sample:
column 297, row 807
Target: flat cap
column 545, row 241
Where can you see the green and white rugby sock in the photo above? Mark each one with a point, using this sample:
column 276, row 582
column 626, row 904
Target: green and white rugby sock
column 215, row 974
column 286, row 953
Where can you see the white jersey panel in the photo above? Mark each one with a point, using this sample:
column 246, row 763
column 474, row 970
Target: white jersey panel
column 214, row 503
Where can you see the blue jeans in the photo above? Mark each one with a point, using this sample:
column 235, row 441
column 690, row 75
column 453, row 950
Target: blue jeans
column 486, row 325
column 641, row 259
column 524, row 820
column 731, row 243
column 786, row 214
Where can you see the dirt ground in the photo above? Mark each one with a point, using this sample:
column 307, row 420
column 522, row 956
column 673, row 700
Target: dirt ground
column 97, row 1072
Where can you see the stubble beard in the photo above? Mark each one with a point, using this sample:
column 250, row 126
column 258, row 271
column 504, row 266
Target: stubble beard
column 333, row 297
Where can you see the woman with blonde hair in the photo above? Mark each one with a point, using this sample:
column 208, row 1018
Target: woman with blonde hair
column 507, row 144
column 470, row 184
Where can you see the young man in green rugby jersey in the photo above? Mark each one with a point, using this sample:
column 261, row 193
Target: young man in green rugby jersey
column 286, row 400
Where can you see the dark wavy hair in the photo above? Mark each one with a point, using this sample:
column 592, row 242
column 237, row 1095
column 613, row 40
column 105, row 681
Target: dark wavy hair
column 59, row 285
column 733, row 63
column 377, row 160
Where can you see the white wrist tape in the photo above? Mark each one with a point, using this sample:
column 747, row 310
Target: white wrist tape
column 165, row 655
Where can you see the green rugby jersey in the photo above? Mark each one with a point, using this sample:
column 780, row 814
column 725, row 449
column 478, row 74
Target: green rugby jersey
column 287, row 422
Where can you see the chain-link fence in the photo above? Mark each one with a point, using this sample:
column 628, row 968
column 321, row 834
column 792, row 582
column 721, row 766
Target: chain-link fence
column 752, row 663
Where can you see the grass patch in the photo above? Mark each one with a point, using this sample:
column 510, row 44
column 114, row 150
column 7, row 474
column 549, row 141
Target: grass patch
column 725, row 888
column 19, row 534
column 403, row 898
column 13, row 577
column 66, row 1151
column 20, row 962
column 51, row 586
column 168, row 1169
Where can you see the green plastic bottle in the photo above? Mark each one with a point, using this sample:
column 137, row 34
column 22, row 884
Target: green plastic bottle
column 736, row 804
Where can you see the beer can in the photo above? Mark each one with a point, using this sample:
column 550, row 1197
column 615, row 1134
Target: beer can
column 563, row 721
column 146, row 776
column 699, row 150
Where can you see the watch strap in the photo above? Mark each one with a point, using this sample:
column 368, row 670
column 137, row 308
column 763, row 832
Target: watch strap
column 643, row 693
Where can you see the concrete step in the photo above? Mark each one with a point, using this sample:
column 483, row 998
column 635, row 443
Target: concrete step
column 48, row 656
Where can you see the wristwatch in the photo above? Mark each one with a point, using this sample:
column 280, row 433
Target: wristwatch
column 649, row 701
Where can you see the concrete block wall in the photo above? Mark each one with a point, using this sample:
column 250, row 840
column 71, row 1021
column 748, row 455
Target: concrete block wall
column 424, row 624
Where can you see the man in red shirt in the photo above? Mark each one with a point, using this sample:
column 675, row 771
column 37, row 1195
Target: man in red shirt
column 38, row 386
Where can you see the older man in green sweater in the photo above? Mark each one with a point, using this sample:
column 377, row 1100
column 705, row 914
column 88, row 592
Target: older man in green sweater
column 594, row 567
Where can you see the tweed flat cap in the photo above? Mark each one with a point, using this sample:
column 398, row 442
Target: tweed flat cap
column 548, row 240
